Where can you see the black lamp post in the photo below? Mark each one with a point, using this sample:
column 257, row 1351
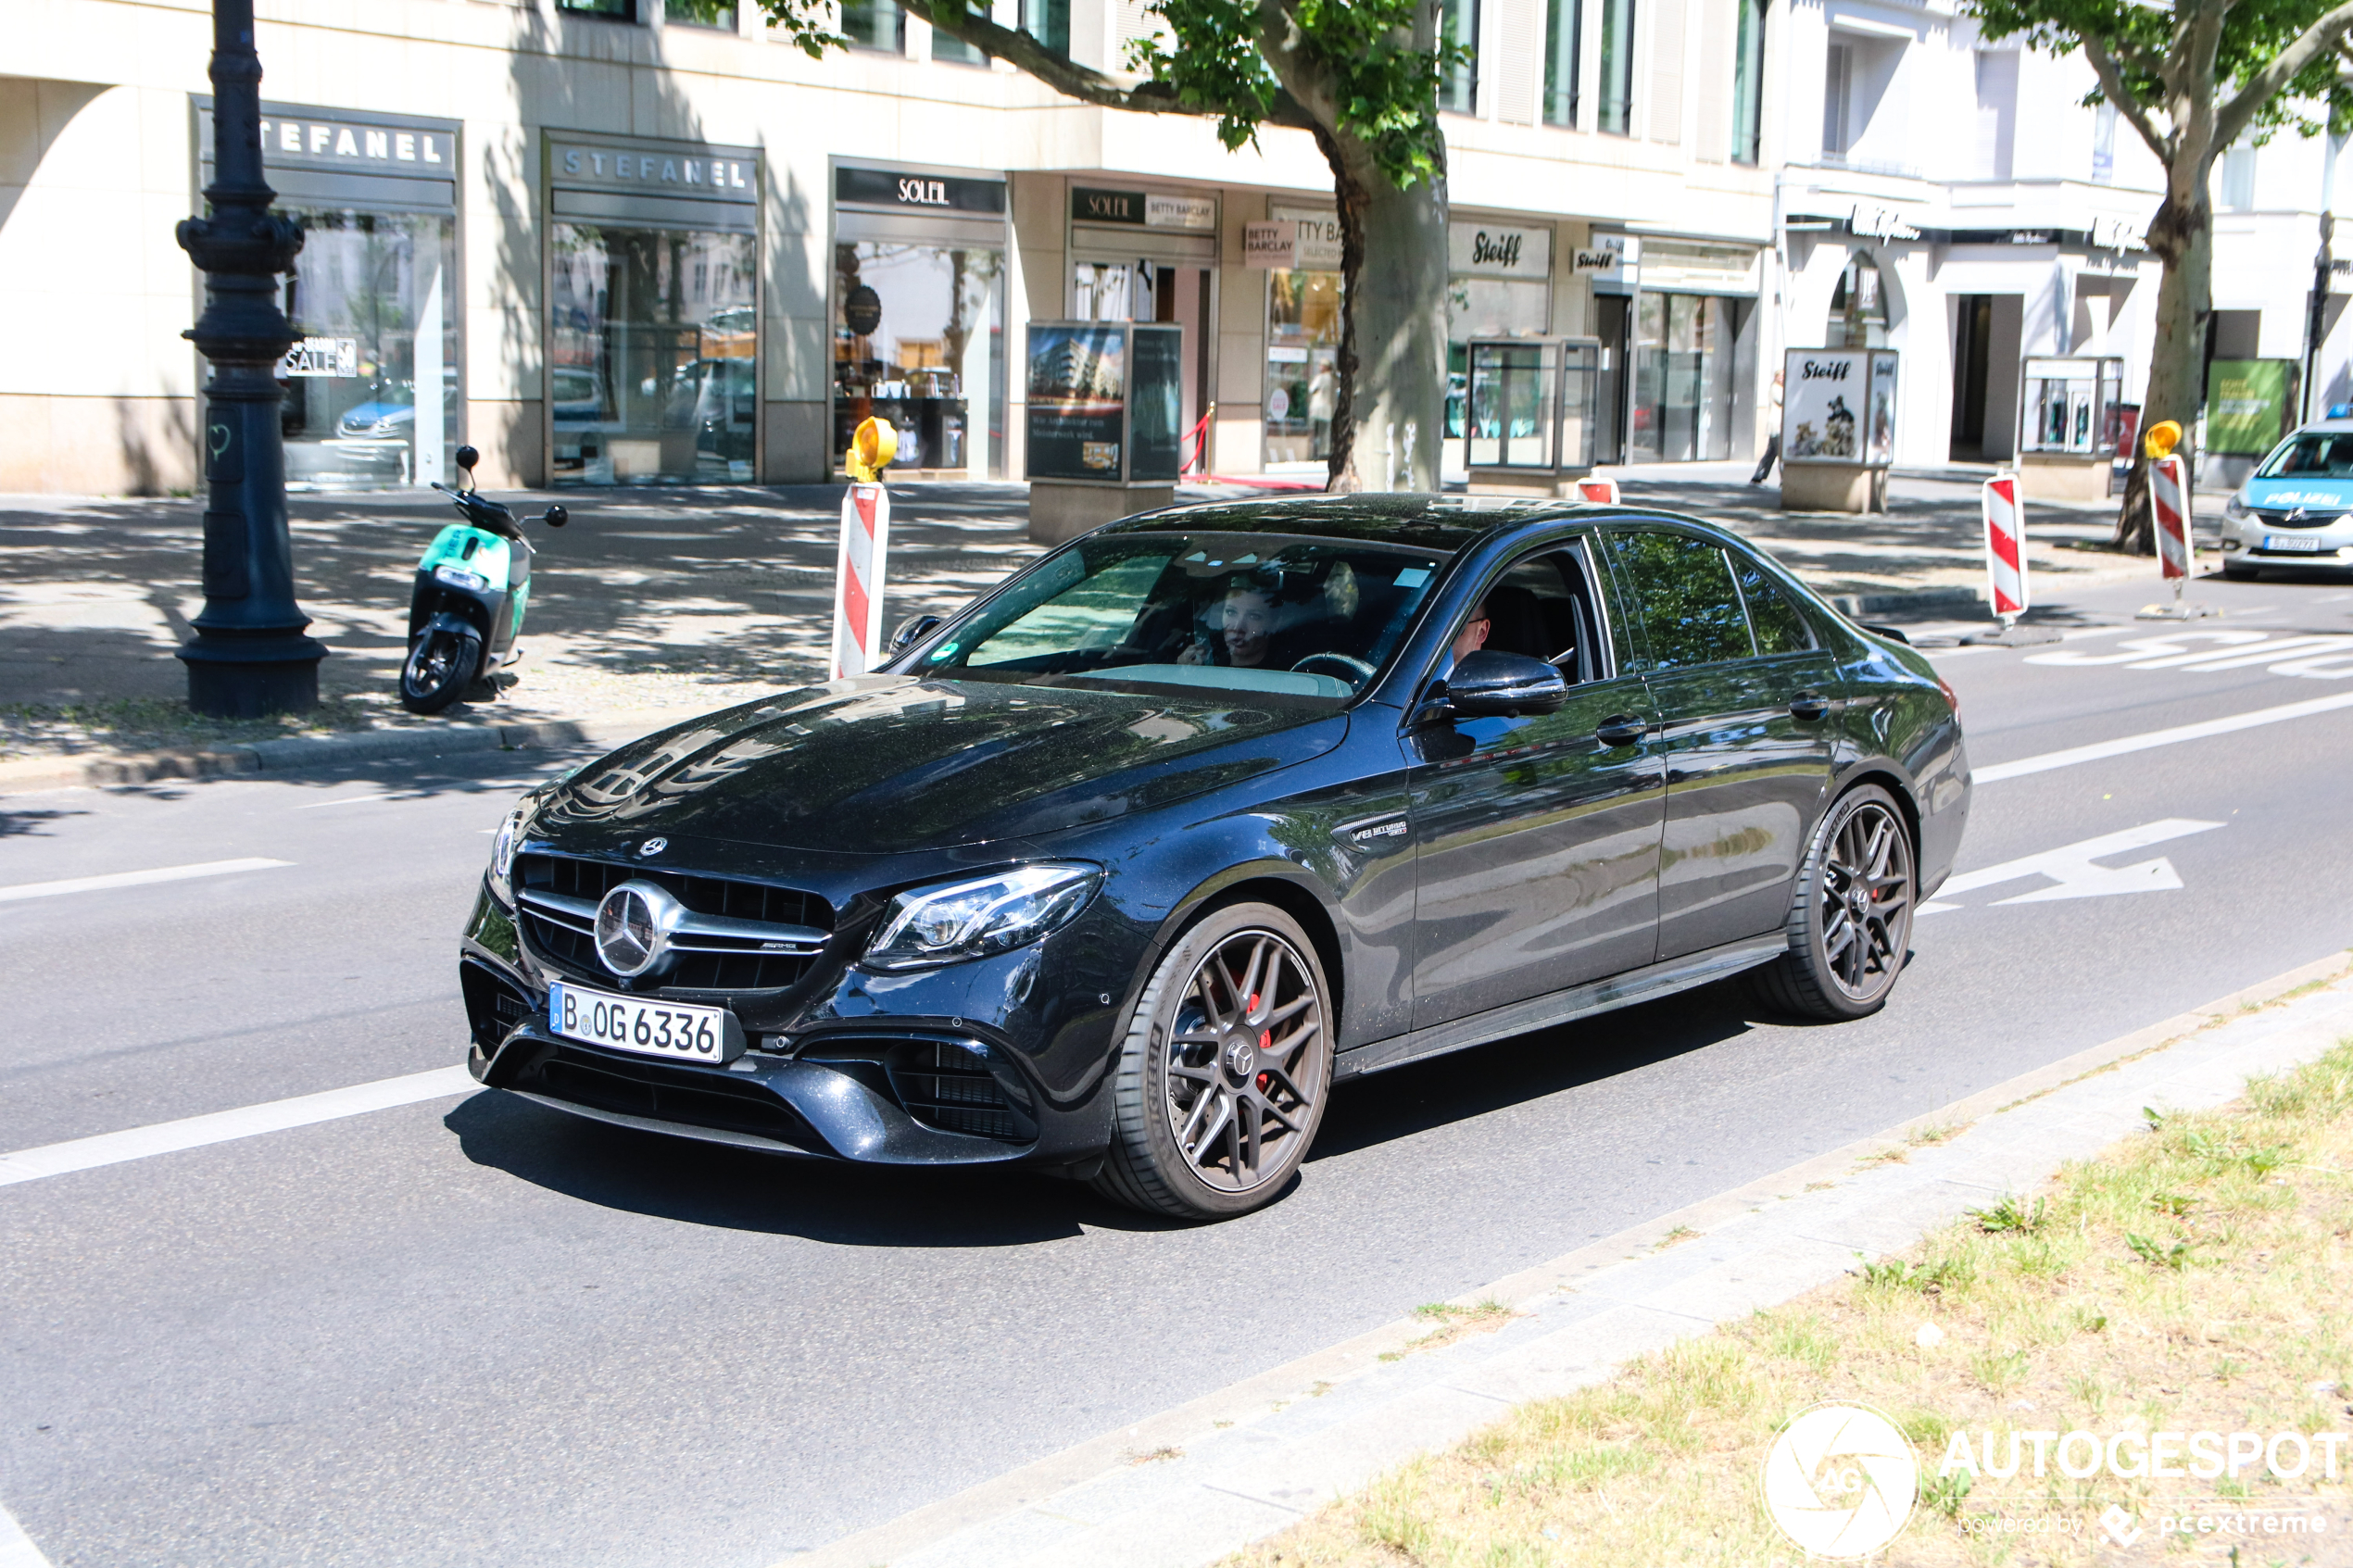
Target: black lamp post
column 249, row 656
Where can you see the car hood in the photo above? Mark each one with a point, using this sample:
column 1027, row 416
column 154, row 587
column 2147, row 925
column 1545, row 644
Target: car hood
column 2318, row 493
column 883, row 764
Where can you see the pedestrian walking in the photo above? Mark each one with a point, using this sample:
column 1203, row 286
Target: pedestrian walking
column 1773, row 439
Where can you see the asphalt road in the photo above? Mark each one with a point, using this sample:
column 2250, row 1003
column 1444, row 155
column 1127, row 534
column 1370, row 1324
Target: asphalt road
column 471, row 1330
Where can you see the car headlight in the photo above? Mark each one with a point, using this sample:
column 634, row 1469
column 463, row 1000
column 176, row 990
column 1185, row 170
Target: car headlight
column 974, row 919
column 2234, row 506
column 459, row 577
column 502, row 848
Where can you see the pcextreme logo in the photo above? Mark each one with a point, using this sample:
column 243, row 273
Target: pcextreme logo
column 1839, row 1480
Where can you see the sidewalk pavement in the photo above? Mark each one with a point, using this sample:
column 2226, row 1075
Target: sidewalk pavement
column 1188, row 1487
column 656, row 603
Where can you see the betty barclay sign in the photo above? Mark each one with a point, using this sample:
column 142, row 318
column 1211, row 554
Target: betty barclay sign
column 1144, row 209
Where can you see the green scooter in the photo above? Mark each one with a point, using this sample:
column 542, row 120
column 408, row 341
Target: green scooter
column 467, row 609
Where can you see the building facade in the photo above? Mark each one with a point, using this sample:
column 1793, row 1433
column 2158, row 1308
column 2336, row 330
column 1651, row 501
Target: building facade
column 616, row 242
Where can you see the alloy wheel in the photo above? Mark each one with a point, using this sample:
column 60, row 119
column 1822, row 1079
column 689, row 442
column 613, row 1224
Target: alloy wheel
column 1246, row 1062
column 1867, row 901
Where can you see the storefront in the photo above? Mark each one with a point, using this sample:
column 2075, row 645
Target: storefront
column 653, row 311
column 1689, row 334
column 1141, row 255
column 372, row 392
column 919, row 315
column 1499, row 284
column 1302, row 339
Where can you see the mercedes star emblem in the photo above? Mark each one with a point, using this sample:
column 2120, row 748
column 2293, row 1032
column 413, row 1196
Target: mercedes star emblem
column 653, row 847
column 634, row 925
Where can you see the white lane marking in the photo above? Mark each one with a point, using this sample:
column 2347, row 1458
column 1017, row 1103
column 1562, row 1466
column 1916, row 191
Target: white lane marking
column 16, row 1549
column 2072, row 872
column 346, row 800
column 221, row 1126
column 2125, row 746
column 134, row 879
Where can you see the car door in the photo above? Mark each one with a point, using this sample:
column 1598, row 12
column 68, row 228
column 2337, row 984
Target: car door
column 1536, row 837
column 1744, row 697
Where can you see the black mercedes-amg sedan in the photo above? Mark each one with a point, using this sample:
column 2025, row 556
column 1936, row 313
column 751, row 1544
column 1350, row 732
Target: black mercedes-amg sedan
column 1120, row 870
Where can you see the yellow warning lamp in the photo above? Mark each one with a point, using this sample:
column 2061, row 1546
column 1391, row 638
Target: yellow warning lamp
column 872, row 446
column 2162, row 437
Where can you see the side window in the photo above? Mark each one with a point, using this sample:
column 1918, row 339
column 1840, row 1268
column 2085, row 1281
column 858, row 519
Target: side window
column 1775, row 622
column 1542, row 608
column 1684, row 598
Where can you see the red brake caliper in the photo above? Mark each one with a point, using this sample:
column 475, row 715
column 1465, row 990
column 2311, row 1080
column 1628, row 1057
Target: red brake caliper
column 1266, row 1038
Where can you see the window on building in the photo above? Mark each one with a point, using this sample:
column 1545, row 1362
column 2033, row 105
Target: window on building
column 1858, row 308
column 875, row 24
column 1049, row 22
column 720, row 14
column 1838, row 76
column 2104, row 144
column 1458, row 90
column 954, row 50
column 1683, row 371
column 1748, row 82
column 1564, row 24
column 2238, row 179
column 1996, row 112
column 1617, row 67
column 619, row 10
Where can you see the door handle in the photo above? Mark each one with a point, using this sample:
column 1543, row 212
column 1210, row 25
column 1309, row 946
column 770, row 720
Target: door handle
column 1809, row 706
column 1620, row 729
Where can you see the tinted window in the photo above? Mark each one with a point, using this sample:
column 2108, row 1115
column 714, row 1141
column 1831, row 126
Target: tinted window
column 1543, row 609
column 1684, row 599
column 1775, row 620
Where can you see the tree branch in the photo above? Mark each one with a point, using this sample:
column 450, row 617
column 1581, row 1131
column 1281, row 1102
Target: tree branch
column 2112, row 87
column 2265, row 84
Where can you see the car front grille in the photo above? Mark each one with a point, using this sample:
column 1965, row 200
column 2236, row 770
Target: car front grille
column 759, row 937
column 947, row 1087
column 2298, row 520
column 662, row 1093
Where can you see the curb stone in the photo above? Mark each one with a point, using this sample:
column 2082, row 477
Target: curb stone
column 1191, row 1485
column 296, row 753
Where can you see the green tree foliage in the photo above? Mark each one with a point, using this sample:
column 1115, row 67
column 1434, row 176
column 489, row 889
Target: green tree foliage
column 2192, row 79
column 1362, row 77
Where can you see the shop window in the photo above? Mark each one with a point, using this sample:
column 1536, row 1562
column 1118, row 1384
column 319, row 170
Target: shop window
column 1563, row 28
column 1682, row 379
column 1748, row 82
column 619, row 10
column 652, row 355
column 919, row 342
column 1858, row 308
column 720, row 14
column 371, row 386
column 1617, row 67
column 1458, row 87
column 1303, row 365
column 1049, row 22
column 877, row 24
column 1483, row 308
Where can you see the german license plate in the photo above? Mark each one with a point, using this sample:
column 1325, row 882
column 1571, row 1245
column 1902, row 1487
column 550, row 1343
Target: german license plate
column 2303, row 542
column 644, row 1027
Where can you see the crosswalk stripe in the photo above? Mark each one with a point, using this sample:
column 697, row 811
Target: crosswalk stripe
column 2125, row 746
column 134, row 879
column 221, row 1127
column 16, row 1549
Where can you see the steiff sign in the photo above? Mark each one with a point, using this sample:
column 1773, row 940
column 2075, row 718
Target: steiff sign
column 1838, row 406
column 1490, row 250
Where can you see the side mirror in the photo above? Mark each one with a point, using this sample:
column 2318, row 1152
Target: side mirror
column 913, row 630
column 1489, row 683
column 468, row 458
column 557, row 517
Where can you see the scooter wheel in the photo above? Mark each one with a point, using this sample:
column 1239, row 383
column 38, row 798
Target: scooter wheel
column 441, row 665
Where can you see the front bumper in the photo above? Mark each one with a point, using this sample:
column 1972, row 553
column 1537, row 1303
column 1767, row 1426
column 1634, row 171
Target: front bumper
column 2245, row 545
column 979, row 1063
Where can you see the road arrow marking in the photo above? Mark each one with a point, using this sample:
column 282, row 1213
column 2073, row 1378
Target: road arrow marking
column 2072, row 873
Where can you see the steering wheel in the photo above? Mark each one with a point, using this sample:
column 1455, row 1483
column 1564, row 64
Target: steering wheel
column 1357, row 671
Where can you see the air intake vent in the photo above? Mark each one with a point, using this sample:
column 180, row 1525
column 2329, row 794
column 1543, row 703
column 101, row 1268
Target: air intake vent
column 948, row 1087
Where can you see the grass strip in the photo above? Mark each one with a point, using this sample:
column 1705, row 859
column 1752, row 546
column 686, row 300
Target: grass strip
column 2194, row 1278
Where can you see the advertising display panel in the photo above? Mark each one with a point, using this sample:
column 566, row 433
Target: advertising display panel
column 1104, row 401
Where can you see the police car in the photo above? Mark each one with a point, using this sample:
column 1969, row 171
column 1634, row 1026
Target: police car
column 2296, row 509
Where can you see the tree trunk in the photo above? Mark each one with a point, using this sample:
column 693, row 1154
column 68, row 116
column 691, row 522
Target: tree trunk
column 1391, row 413
column 2182, row 236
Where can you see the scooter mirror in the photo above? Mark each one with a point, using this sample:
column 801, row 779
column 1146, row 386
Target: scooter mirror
column 557, row 517
column 468, row 458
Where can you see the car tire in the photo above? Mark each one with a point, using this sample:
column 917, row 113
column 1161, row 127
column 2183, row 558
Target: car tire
column 1850, row 925
column 1233, row 1026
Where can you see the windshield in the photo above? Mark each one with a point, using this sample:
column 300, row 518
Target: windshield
column 1270, row 614
column 2316, row 453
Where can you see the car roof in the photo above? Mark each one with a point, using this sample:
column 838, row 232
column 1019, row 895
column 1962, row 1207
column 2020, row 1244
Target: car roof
column 1442, row 522
column 2326, row 427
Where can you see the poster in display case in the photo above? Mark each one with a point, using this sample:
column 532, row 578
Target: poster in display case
column 1838, row 406
column 1103, row 400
